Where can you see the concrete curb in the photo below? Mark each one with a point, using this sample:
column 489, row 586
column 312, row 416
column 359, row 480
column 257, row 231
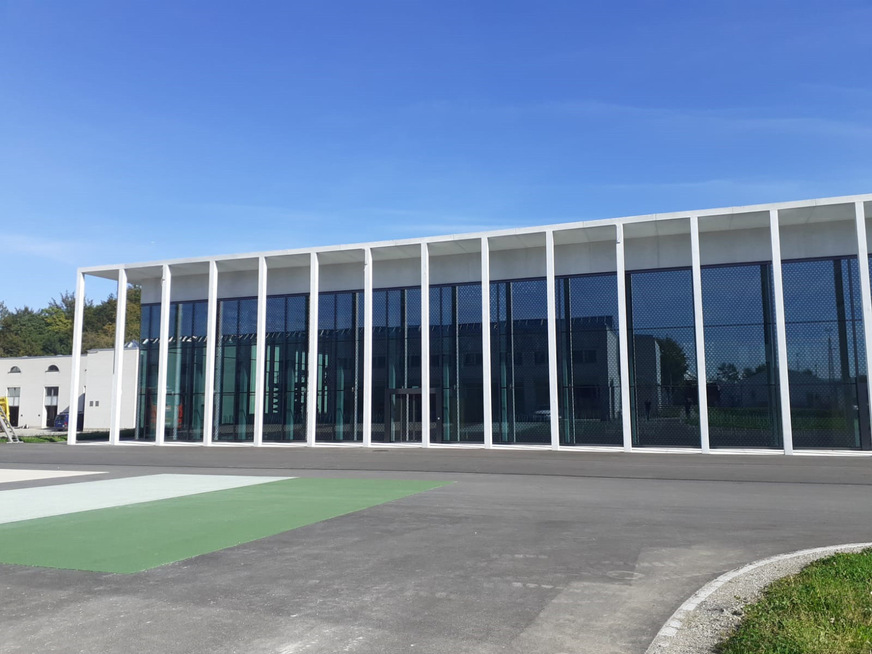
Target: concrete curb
column 700, row 622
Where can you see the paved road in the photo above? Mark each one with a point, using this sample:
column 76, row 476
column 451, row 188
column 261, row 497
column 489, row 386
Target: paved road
column 526, row 552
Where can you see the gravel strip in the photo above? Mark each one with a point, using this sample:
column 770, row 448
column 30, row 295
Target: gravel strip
column 715, row 609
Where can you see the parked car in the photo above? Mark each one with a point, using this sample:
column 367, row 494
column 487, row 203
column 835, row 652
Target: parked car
column 62, row 421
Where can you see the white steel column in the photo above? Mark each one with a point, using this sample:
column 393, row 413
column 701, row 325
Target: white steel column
column 623, row 339
column 866, row 294
column 367, row 348
column 260, row 351
column 551, row 289
column 312, row 383
column 780, row 332
column 163, row 356
column 700, row 335
column 211, row 336
column 487, row 421
column 425, row 345
column 118, row 368
column 76, row 362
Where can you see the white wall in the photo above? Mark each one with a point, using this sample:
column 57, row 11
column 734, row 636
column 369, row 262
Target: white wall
column 95, row 386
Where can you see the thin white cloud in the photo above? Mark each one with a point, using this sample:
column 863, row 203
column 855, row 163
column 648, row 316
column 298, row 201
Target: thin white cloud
column 68, row 251
column 747, row 119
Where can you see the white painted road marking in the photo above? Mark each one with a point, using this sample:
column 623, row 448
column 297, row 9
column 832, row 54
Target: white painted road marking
column 29, row 503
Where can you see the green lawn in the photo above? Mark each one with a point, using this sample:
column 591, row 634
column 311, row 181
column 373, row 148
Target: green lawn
column 825, row 609
column 137, row 537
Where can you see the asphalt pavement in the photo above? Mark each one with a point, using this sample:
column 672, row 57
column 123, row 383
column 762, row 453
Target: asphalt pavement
column 525, row 552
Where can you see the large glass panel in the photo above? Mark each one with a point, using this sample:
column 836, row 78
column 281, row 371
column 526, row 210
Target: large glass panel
column 186, row 363
column 287, row 355
column 663, row 387
column 519, row 362
column 456, row 383
column 149, row 345
column 235, row 370
column 589, row 377
column 740, row 356
column 396, row 365
column 340, row 367
column 825, row 354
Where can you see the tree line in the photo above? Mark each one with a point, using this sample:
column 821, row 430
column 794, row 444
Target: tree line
column 48, row 331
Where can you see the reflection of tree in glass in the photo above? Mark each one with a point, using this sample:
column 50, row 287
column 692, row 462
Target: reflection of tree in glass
column 673, row 362
column 727, row 372
column 750, row 372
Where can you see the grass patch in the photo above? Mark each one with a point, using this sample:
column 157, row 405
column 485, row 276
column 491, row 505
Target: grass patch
column 824, row 609
column 45, row 438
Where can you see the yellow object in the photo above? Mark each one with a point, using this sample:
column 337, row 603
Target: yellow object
column 4, row 405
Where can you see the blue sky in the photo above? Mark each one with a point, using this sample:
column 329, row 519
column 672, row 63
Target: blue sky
column 141, row 130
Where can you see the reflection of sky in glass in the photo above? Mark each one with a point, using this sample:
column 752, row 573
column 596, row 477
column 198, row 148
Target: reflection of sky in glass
column 731, row 295
column 732, row 302
column 229, row 311
column 662, row 307
column 188, row 319
column 150, row 321
column 286, row 313
column 811, row 316
column 809, row 290
column 336, row 310
column 528, row 298
column 468, row 300
column 662, row 298
column 590, row 296
column 387, row 307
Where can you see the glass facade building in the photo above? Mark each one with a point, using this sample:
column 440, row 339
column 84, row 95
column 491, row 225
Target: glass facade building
column 741, row 329
column 456, row 365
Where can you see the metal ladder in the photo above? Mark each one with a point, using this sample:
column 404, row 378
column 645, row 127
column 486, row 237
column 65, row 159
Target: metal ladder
column 7, row 427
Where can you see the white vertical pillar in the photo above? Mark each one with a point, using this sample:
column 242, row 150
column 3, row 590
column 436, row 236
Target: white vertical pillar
column 425, row 345
column 76, row 362
column 780, row 332
column 551, row 289
column 866, row 294
column 700, row 335
column 367, row 348
column 211, row 336
column 163, row 356
column 623, row 339
column 118, row 368
column 312, row 383
column 487, row 421
column 260, row 351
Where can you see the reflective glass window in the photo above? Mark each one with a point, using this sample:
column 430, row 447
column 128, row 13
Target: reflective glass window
column 663, row 390
column 186, row 369
column 340, row 367
column 456, row 386
column 740, row 356
column 149, row 346
column 396, row 374
column 825, row 354
column 235, row 370
column 520, row 388
column 588, row 368
column 287, row 370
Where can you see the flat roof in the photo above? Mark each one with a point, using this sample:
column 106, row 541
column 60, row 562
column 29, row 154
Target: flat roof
column 804, row 212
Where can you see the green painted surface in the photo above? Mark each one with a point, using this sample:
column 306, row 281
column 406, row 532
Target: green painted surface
column 133, row 538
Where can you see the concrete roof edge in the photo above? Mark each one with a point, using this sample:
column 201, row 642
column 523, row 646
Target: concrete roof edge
column 514, row 231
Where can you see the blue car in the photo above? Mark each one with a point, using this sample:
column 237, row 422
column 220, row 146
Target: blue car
column 62, row 421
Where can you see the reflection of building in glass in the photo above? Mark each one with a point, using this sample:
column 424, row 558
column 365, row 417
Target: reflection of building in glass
column 731, row 329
